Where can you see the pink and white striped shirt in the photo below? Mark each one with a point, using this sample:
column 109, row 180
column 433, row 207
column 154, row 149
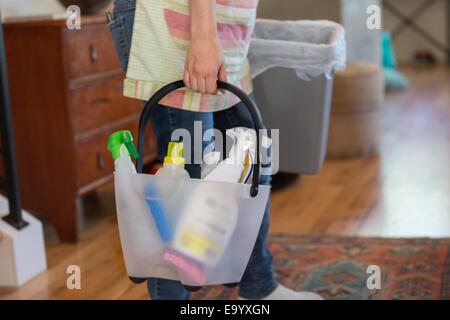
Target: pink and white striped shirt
column 160, row 42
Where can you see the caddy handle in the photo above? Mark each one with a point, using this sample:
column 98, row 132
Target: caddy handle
column 161, row 93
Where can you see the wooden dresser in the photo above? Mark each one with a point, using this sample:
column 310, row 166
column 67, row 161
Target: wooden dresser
column 66, row 96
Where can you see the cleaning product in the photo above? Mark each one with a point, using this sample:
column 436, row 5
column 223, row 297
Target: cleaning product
column 236, row 168
column 173, row 167
column 210, row 216
column 154, row 202
column 206, row 224
column 121, row 146
column 185, row 265
column 174, row 162
column 210, row 161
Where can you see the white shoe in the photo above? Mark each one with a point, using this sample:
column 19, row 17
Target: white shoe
column 283, row 293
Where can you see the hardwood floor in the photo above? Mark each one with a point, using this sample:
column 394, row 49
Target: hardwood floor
column 403, row 193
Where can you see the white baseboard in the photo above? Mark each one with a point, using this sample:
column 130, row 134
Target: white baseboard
column 22, row 252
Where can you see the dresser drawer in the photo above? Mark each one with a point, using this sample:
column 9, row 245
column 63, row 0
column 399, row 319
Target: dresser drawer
column 91, row 50
column 94, row 160
column 100, row 103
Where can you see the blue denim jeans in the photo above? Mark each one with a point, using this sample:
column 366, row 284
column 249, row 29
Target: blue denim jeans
column 257, row 281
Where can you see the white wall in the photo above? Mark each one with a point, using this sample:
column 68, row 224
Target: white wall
column 29, row 7
column 299, row 9
column 434, row 20
column 362, row 44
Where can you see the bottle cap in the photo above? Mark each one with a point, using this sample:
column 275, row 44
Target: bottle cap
column 174, row 153
column 121, row 143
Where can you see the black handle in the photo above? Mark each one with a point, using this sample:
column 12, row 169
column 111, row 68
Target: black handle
column 161, row 93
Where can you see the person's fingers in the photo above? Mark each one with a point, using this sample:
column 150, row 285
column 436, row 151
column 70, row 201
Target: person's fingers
column 201, row 82
column 186, row 79
column 192, row 76
column 222, row 75
column 211, row 84
column 193, row 80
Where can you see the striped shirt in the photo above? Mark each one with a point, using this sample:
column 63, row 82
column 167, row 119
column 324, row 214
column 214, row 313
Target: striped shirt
column 160, row 42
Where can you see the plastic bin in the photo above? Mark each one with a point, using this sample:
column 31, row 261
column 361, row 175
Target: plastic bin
column 292, row 64
column 142, row 246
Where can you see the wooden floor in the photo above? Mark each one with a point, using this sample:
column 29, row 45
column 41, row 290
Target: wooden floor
column 403, row 193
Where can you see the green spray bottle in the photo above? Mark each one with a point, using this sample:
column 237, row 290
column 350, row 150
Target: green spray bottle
column 121, row 146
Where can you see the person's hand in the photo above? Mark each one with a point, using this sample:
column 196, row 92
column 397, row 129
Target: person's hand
column 204, row 65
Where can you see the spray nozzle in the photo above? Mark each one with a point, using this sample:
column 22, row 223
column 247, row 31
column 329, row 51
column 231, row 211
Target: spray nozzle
column 174, row 153
column 121, row 143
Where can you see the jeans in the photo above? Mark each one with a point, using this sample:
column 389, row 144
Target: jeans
column 257, row 281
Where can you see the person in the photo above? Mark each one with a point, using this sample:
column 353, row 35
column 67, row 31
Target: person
column 217, row 45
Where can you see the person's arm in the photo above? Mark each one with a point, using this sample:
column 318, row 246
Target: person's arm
column 204, row 61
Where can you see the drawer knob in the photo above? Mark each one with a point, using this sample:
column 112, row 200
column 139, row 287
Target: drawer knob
column 93, row 53
column 100, row 161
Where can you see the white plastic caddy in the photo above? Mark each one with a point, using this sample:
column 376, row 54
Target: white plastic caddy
column 142, row 246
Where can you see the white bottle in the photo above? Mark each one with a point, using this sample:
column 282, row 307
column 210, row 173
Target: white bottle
column 121, row 146
column 174, row 162
column 210, row 214
column 237, row 166
column 207, row 223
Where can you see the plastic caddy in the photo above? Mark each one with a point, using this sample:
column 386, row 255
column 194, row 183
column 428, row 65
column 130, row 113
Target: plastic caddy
column 142, row 247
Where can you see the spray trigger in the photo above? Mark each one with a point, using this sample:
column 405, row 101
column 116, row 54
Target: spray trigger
column 128, row 140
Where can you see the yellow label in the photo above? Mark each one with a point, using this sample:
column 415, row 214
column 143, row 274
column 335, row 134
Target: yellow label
column 197, row 243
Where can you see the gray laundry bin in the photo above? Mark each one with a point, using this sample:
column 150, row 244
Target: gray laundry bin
column 292, row 64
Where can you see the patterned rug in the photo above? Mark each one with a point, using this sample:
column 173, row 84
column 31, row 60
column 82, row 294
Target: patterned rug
column 339, row 267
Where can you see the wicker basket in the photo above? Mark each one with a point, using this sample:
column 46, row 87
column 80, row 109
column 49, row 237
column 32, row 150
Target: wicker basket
column 356, row 112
